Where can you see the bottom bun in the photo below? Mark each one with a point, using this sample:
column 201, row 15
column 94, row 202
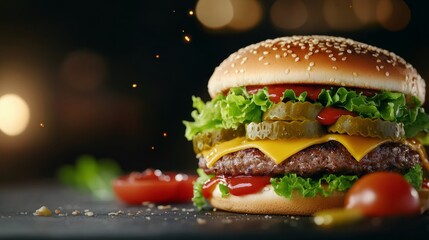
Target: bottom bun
column 268, row 202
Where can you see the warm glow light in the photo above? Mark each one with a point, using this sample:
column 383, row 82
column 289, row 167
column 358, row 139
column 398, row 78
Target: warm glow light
column 365, row 10
column 14, row 114
column 214, row 13
column 393, row 15
column 289, row 14
column 191, row 13
column 247, row 14
column 187, row 38
column 134, row 85
column 164, row 134
column 157, row 56
column 42, row 125
column 339, row 14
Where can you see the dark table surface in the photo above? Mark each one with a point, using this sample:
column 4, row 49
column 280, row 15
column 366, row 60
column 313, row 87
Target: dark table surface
column 112, row 219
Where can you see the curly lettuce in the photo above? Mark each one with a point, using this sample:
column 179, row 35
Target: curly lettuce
column 229, row 111
column 240, row 107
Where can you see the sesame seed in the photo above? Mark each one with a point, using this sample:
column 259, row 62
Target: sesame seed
column 274, row 48
column 308, row 68
column 381, row 66
column 331, row 55
column 265, row 52
column 334, row 67
column 378, row 68
column 378, row 61
column 285, row 54
column 340, row 53
column 232, row 65
column 287, row 70
column 277, row 56
column 311, row 64
column 293, row 55
column 266, row 63
column 355, row 74
column 296, row 59
column 242, row 70
column 333, row 59
column 260, row 58
column 349, row 51
column 387, row 74
column 344, row 58
column 255, row 52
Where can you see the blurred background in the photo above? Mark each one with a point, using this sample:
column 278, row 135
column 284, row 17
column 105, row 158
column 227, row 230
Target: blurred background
column 114, row 79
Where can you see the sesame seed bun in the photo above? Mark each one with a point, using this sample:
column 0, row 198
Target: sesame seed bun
column 322, row 60
column 268, row 202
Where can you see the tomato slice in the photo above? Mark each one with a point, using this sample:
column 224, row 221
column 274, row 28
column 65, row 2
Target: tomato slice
column 383, row 194
column 154, row 186
column 329, row 115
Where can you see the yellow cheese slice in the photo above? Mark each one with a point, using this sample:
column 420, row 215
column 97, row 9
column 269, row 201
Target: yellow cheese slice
column 280, row 150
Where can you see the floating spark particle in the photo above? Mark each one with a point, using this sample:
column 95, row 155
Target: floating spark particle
column 134, row 85
column 164, row 134
column 191, row 13
column 187, row 38
column 42, row 125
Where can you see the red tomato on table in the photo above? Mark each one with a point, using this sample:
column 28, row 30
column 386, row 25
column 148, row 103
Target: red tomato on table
column 383, row 194
column 154, row 186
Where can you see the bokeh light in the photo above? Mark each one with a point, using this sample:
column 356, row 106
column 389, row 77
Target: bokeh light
column 339, row 15
column 393, row 15
column 289, row 14
column 365, row 10
column 14, row 114
column 83, row 70
column 247, row 14
column 214, row 13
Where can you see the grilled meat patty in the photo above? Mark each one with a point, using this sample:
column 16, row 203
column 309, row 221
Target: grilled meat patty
column 329, row 157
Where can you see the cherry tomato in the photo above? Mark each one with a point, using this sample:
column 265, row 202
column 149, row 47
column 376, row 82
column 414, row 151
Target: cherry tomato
column 329, row 115
column 383, row 194
column 154, row 186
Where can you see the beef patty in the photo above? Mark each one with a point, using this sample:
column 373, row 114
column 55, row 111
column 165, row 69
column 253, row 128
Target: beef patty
column 329, row 157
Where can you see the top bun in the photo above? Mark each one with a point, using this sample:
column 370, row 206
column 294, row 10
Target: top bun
column 321, row 60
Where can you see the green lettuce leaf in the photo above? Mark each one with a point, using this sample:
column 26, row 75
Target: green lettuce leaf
column 229, row 111
column 308, row 187
column 240, row 107
column 223, row 190
column 198, row 199
column 415, row 176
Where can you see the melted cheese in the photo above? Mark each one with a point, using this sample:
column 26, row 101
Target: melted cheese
column 280, row 150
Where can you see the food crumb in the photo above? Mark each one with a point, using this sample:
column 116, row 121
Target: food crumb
column 147, row 218
column 162, row 207
column 57, row 211
column 201, row 221
column 226, row 220
column 43, row 211
column 75, row 212
column 148, row 204
column 89, row 213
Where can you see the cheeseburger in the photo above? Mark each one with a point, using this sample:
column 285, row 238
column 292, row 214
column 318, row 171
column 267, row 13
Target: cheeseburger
column 295, row 121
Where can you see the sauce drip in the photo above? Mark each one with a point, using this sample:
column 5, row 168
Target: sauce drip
column 237, row 185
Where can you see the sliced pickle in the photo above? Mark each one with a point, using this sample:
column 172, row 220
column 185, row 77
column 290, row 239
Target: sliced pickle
column 368, row 127
column 283, row 130
column 291, row 111
column 204, row 141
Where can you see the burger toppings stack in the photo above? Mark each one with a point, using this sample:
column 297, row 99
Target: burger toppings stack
column 294, row 122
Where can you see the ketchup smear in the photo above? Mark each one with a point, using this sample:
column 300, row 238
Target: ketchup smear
column 313, row 91
column 237, row 185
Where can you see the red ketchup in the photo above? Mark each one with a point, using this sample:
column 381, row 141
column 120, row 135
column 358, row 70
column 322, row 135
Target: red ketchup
column 329, row 115
column 237, row 185
column 425, row 183
column 276, row 91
